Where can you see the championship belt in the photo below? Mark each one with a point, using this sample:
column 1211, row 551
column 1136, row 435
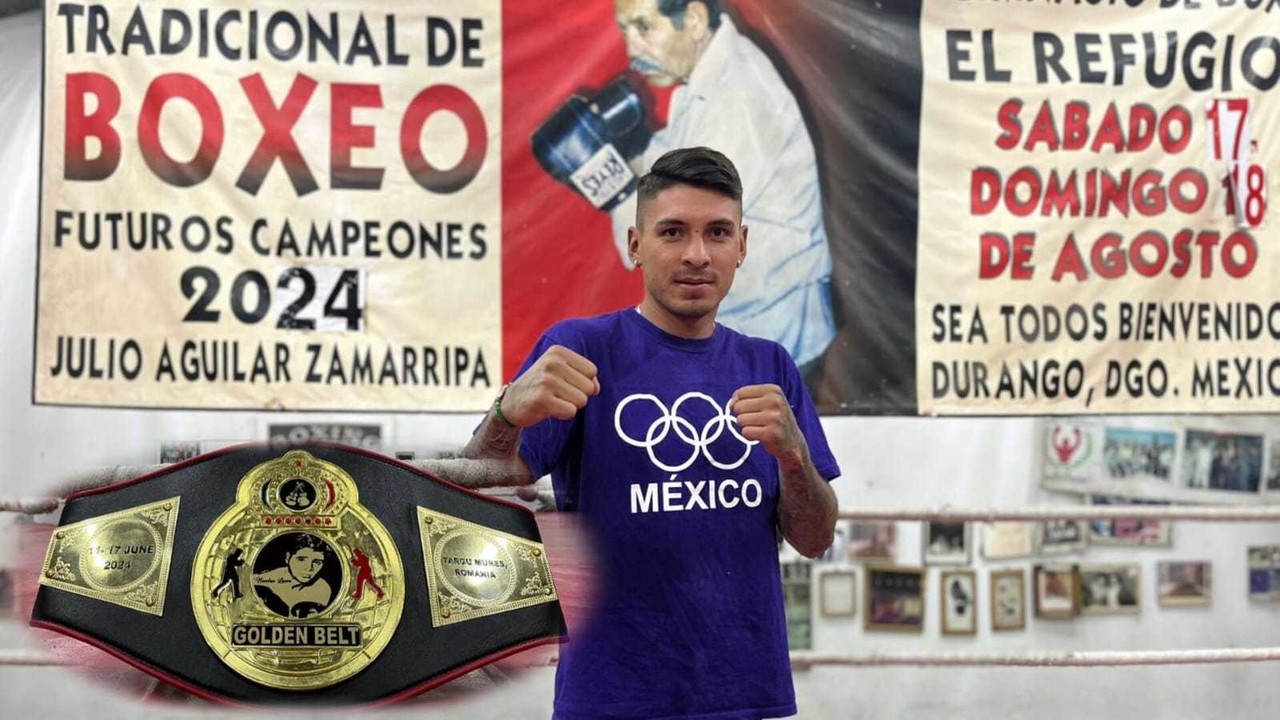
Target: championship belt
column 322, row 573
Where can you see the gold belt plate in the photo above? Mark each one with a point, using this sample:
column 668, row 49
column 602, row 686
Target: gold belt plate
column 121, row 557
column 474, row 571
column 297, row 586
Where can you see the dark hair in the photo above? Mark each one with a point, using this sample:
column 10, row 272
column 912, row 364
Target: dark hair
column 674, row 9
column 305, row 541
column 700, row 167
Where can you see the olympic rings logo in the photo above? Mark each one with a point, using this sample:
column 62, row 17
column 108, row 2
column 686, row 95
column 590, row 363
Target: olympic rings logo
column 698, row 440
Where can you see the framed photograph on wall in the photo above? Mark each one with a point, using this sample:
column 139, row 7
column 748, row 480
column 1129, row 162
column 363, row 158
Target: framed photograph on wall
column 1133, row 531
column 797, row 603
column 8, row 589
column 1110, row 589
column 1273, row 465
column 1184, row 583
column 895, row 598
column 1264, row 572
column 1056, row 592
column 945, row 543
column 1008, row 599
column 1062, row 537
column 178, row 450
column 873, row 541
column 1006, row 540
column 1222, row 461
column 959, row 606
column 1069, row 450
column 838, row 593
column 1130, row 453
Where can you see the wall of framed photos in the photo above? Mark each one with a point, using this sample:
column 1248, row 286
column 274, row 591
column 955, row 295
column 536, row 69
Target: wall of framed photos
column 992, row 578
column 999, row 463
column 1044, row 570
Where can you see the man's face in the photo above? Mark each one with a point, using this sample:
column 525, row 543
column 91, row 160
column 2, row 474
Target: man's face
column 305, row 563
column 663, row 53
column 689, row 244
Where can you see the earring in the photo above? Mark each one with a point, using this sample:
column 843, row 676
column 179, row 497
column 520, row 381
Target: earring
column 636, row 261
column 739, row 264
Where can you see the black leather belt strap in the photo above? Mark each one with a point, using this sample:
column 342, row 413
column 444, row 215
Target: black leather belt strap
column 315, row 573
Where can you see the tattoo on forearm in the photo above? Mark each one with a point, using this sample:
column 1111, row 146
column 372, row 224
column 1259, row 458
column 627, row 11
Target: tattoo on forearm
column 493, row 440
column 488, row 460
column 807, row 510
column 473, row 474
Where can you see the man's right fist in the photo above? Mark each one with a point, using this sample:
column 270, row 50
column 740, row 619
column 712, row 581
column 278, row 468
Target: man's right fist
column 557, row 385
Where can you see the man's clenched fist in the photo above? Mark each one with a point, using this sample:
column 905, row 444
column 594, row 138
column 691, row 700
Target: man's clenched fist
column 557, row 385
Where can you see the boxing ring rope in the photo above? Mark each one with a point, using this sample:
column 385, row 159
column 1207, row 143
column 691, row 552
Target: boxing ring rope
column 1205, row 513
column 1208, row 513
column 40, row 505
column 804, row 660
column 29, row 506
column 27, row 658
column 1065, row 659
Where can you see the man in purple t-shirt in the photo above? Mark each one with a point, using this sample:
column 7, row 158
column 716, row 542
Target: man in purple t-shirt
column 685, row 447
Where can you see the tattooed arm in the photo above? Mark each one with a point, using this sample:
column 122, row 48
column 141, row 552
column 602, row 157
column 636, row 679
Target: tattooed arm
column 806, row 503
column 557, row 385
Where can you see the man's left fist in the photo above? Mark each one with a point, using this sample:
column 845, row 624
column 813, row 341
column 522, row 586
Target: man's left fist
column 765, row 417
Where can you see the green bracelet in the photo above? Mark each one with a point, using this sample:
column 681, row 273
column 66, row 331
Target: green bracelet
column 497, row 407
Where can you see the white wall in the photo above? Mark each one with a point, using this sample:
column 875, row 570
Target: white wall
column 887, row 462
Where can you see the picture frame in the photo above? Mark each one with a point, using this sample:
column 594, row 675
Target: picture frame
column 838, row 593
column 1273, row 465
column 1264, row 572
column 1061, row 537
column 173, row 451
column 1057, row 591
column 1008, row 600
column 895, row 599
column 1134, row 532
column 958, row 606
column 797, row 603
column 1007, row 540
column 945, row 543
column 1184, row 583
column 1130, row 454
column 8, row 590
column 1225, row 461
column 873, row 541
column 1110, row 589
column 1069, row 450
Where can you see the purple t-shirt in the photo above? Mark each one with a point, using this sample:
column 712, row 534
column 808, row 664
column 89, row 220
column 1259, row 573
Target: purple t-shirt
column 683, row 514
